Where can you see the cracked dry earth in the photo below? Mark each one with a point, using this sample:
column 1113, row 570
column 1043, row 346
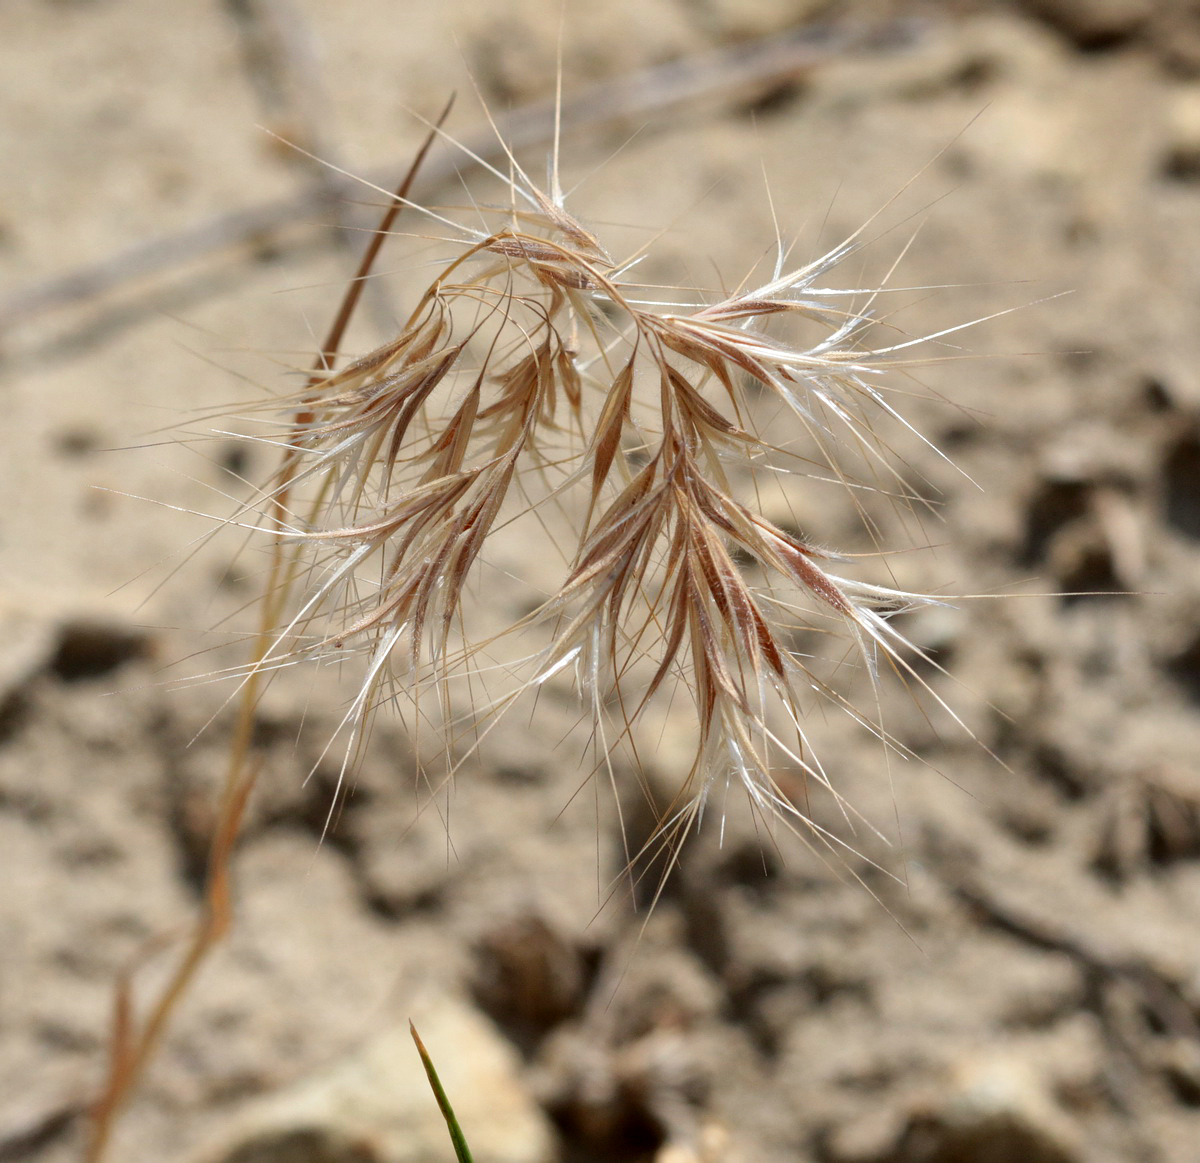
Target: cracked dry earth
column 1012, row 972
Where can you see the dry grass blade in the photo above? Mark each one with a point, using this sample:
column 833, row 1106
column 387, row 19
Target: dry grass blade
column 746, row 68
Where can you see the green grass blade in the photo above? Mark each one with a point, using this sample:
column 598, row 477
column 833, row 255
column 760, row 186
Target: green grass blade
column 456, row 1135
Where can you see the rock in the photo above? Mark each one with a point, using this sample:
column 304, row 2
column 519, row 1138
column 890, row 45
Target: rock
column 29, row 640
column 995, row 1109
column 530, row 974
column 70, row 645
column 1093, row 23
column 375, row 1104
column 95, row 647
column 1181, row 159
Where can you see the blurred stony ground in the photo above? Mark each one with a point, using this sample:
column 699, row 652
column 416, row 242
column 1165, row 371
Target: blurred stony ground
column 1011, row 971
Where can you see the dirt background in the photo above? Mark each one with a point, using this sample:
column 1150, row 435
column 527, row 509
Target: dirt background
column 1017, row 977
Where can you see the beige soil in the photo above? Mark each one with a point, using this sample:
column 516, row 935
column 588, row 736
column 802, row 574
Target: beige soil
column 1013, row 975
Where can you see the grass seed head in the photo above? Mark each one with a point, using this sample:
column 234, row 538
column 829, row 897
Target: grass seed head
column 534, row 376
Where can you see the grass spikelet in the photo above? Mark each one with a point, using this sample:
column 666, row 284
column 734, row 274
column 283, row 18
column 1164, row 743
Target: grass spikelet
column 535, row 375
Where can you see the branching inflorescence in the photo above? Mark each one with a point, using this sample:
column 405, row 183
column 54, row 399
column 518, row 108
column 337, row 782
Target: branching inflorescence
column 536, row 386
column 535, row 374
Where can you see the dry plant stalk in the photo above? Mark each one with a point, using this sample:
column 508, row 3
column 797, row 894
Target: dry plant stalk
column 535, row 375
column 133, row 1043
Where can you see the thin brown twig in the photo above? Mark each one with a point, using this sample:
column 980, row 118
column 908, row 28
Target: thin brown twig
column 283, row 66
column 760, row 64
column 284, row 69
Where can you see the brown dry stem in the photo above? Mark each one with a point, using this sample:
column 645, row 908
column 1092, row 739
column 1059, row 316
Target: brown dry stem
column 133, row 1045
